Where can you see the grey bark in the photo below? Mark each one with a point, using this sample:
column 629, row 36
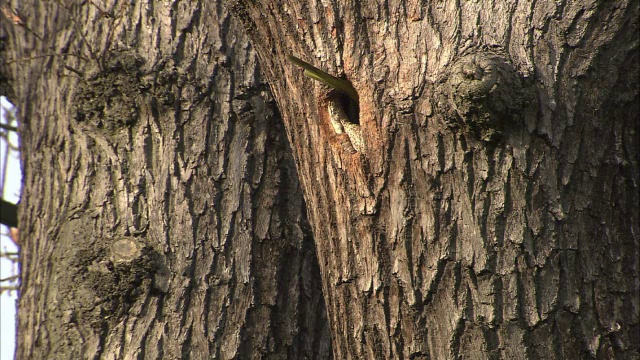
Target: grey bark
column 161, row 215
column 493, row 211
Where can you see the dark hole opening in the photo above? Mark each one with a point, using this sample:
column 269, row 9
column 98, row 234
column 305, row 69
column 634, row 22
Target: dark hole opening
column 350, row 107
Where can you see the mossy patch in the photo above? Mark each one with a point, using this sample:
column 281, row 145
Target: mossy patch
column 111, row 99
column 115, row 285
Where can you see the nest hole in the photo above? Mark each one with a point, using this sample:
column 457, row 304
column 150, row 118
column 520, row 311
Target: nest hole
column 350, row 107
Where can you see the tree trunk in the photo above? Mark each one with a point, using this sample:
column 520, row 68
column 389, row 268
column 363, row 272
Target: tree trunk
column 484, row 203
column 161, row 215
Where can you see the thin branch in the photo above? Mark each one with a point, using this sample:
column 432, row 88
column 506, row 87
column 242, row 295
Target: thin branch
column 10, row 278
column 11, row 255
column 9, row 288
column 45, row 55
column 16, row 19
column 79, row 29
column 8, row 127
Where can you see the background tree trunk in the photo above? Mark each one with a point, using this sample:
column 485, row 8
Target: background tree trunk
column 161, row 216
column 493, row 210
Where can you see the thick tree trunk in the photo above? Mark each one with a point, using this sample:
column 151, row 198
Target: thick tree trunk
column 492, row 211
column 162, row 216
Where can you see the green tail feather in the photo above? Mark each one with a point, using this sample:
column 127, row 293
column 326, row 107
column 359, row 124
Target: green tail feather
column 313, row 72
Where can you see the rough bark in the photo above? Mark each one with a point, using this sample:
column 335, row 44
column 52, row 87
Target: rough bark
column 161, row 215
column 493, row 212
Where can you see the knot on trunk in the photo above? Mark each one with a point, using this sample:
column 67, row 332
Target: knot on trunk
column 479, row 94
column 110, row 99
column 130, row 253
column 111, row 276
